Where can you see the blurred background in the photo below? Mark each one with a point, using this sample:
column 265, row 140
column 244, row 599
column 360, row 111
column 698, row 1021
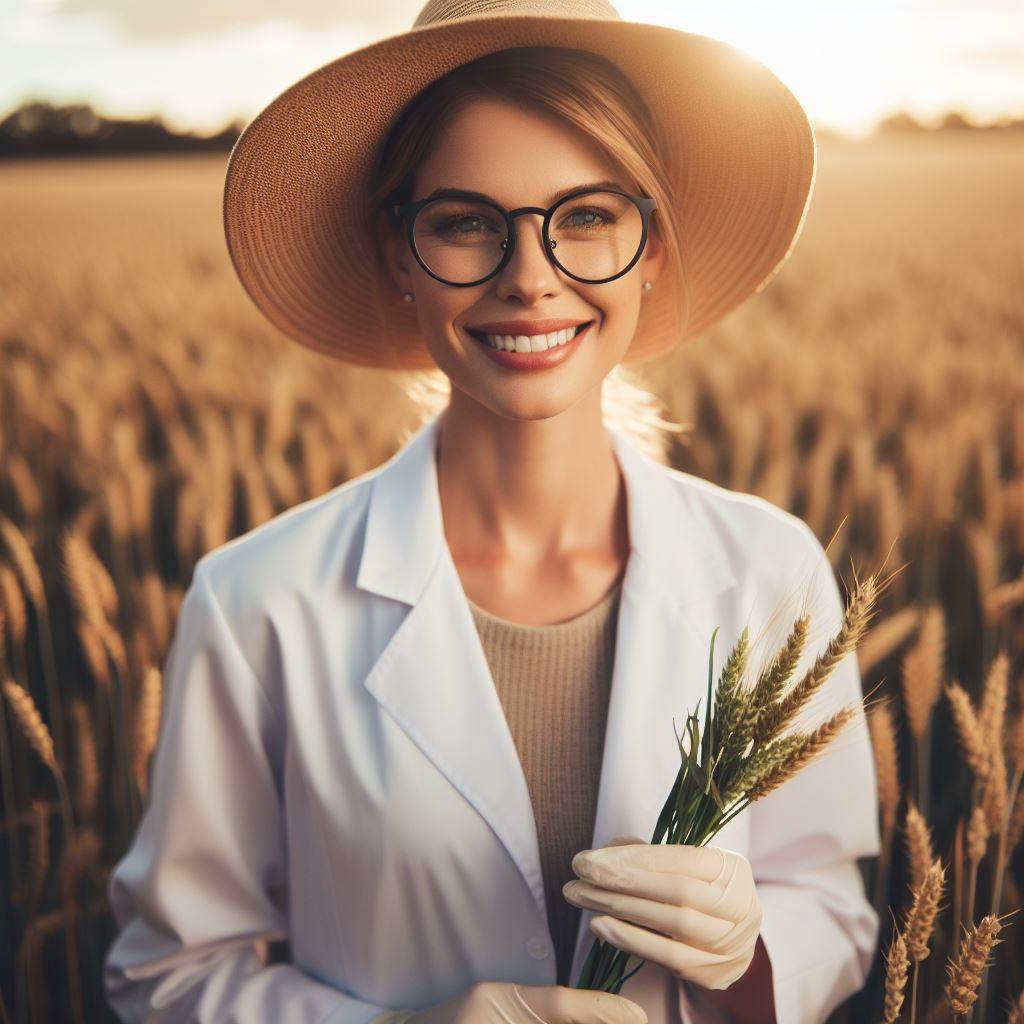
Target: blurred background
column 148, row 413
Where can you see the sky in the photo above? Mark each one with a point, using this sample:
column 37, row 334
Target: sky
column 200, row 64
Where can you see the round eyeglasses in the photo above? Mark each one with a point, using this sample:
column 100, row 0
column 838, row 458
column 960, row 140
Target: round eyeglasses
column 594, row 235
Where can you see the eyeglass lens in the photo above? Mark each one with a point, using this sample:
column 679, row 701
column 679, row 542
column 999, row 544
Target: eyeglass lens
column 595, row 236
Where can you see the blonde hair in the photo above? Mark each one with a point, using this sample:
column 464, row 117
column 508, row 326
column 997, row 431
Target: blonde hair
column 588, row 92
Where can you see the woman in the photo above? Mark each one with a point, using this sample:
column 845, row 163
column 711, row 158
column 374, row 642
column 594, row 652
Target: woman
column 397, row 712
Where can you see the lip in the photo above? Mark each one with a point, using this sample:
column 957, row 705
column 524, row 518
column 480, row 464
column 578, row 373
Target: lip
column 525, row 327
column 531, row 361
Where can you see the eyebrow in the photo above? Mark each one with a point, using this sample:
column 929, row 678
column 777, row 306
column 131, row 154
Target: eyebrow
column 443, row 192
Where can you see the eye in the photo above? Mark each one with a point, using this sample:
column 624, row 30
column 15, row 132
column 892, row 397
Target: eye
column 587, row 218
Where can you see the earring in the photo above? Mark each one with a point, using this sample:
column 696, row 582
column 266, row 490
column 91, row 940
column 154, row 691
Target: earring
column 648, row 286
column 408, row 297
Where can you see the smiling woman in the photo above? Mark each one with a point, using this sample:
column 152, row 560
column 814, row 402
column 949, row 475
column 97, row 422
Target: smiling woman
column 413, row 700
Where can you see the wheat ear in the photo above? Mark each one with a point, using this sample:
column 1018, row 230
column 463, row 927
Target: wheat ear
column 805, row 751
column 855, row 619
column 922, row 668
column 896, row 966
column 31, row 723
column 883, row 744
column 966, row 971
column 968, row 730
column 919, row 843
column 921, row 916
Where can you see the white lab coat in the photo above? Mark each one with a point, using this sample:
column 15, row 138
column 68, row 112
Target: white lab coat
column 334, row 765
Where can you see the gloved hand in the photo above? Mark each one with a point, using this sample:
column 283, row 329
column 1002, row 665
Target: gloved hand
column 505, row 1002
column 702, row 900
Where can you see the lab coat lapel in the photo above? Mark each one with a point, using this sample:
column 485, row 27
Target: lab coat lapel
column 432, row 676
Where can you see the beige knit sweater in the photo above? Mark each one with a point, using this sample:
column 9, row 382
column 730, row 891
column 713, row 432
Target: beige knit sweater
column 553, row 682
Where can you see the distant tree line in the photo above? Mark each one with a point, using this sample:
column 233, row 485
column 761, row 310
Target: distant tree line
column 42, row 129
column 38, row 128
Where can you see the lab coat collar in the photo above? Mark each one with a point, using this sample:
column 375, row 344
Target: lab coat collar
column 432, row 675
column 405, row 529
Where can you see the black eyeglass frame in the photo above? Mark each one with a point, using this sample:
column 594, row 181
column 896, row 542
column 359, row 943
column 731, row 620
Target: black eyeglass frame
column 407, row 212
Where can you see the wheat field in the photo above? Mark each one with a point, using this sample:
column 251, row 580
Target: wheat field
column 149, row 413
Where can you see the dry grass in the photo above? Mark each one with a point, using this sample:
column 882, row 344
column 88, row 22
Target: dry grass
column 150, row 413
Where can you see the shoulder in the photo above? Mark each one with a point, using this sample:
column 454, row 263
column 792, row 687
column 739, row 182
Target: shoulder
column 747, row 525
column 299, row 550
column 781, row 567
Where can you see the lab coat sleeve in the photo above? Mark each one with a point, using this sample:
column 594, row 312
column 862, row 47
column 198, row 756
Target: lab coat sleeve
column 818, row 926
column 189, row 897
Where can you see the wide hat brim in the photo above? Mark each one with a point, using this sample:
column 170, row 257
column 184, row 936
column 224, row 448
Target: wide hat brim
column 740, row 149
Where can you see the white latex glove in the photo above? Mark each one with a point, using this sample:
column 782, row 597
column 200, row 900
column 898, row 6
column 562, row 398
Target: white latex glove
column 504, row 1002
column 701, row 899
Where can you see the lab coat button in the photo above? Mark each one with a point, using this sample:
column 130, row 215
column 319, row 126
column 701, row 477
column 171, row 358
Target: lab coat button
column 538, row 947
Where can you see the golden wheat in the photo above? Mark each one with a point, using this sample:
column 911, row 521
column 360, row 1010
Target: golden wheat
column 883, row 744
column 896, row 966
column 805, row 751
column 24, row 561
column 920, row 920
column 966, row 971
column 14, row 605
column 969, row 731
column 855, row 619
column 977, row 835
column 883, row 638
column 32, row 725
column 922, row 669
column 147, row 724
column 88, row 768
column 919, row 843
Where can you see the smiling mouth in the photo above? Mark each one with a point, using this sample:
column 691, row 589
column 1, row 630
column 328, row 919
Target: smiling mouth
column 510, row 344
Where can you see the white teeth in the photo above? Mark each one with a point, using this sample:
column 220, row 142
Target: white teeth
column 532, row 343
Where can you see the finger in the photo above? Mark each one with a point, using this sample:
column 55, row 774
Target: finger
column 704, row 862
column 624, row 841
column 558, row 1004
column 673, row 889
column 681, row 923
column 678, row 957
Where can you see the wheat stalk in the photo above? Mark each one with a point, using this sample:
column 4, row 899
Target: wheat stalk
column 855, row 619
column 966, row 971
column 79, row 577
column 32, row 724
column 883, row 743
column 729, row 699
column 920, row 919
column 896, row 966
column 1017, row 741
column 772, row 679
column 968, row 730
column 886, row 636
column 24, row 561
column 994, row 801
column 920, row 922
column 806, row 749
column 922, row 671
column 87, row 761
column 992, row 714
column 919, row 843
column 147, row 725
column 977, row 835
column 38, row 847
column 14, row 604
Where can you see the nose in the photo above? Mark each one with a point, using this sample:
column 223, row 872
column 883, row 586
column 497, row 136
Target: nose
column 529, row 273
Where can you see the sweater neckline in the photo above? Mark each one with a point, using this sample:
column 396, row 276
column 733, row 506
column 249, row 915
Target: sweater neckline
column 591, row 612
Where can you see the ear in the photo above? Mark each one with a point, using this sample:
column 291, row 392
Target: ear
column 652, row 262
column 396, row 252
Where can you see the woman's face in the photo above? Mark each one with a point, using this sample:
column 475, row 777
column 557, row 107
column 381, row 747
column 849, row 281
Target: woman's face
column 521, row 158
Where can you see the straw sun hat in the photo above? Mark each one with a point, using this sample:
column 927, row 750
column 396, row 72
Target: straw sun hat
column 739, row 147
